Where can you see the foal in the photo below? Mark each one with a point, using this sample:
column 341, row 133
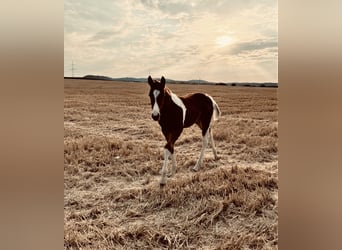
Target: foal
column 175, row 113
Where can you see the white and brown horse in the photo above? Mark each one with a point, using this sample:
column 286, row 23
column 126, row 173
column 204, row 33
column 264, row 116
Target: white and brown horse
column 175, row 113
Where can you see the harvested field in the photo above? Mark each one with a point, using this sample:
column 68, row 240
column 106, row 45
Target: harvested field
column 113, row 153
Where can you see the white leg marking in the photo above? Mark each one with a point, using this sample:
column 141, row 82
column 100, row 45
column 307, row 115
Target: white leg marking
column 204, row 145
column 163, row 172
column 155, row 109
column 213, row 144
column 174, row 165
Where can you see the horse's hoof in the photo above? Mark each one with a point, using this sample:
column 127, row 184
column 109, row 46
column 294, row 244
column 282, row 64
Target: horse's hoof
column 162, row 185
column 194, row 169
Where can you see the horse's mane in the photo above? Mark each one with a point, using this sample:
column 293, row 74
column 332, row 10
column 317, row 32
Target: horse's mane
column 167, row 91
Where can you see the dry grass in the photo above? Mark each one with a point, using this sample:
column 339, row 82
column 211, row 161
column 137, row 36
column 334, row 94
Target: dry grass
column 113, row 152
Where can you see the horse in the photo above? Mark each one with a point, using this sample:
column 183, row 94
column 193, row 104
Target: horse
column 175, row 113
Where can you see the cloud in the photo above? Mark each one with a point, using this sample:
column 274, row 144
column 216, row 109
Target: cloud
column 257, row 44
column 176, row 38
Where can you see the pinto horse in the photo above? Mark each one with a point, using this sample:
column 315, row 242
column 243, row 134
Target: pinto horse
column 175, row 113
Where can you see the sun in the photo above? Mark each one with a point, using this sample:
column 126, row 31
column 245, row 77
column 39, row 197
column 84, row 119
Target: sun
column 223, row 41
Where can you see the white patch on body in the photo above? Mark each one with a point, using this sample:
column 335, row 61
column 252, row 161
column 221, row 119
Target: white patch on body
column 179, row 103
column 155, row 109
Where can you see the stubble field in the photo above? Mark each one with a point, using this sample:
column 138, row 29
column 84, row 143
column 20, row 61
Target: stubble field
column 113, row 153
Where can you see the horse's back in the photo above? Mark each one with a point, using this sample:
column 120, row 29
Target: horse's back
column 197, row 101
column 199, row 109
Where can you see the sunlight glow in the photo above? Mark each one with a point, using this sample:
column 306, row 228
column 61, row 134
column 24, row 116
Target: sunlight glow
column 223, row 41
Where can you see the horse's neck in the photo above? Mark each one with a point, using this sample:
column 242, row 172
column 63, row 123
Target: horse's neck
column 167, row 99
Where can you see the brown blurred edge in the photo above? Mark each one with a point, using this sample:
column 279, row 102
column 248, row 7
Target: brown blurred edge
column 309, row 128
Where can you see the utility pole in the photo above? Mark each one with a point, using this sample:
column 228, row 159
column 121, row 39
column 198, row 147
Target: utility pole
column 72, row 68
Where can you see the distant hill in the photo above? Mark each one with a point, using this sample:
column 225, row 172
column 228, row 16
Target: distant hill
column 171, row 81
column 96, row 77
column 130, row 79
column 198, row 82
column 251, row 84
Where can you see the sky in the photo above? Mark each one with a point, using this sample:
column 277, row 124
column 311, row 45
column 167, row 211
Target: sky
column 213, row 40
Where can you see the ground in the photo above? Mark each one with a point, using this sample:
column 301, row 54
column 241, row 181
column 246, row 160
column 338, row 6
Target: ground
column 113, row 153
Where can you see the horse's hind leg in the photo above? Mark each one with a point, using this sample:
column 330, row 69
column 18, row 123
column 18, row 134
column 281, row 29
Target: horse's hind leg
column 204, row 145
column 213, row 144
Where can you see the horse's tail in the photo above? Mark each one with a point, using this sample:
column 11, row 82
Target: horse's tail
column 216, row 110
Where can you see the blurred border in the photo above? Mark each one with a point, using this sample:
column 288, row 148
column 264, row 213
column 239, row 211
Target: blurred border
column 31, row 99
column 31, row 147
column 310, row 115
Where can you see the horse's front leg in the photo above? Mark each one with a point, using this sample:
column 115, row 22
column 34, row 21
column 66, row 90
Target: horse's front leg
column 167, row 153
column 174, row 166
column 171, row 138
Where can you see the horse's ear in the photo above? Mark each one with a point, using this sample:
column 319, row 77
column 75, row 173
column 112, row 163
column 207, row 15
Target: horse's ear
column 150, row 81
column 162, row 82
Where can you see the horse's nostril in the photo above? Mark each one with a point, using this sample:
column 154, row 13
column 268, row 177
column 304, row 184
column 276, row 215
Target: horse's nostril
column 155, row 117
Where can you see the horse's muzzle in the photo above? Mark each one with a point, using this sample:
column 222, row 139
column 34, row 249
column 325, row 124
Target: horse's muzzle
column 155, row 117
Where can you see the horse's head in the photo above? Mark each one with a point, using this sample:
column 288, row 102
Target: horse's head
column 157, row 96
